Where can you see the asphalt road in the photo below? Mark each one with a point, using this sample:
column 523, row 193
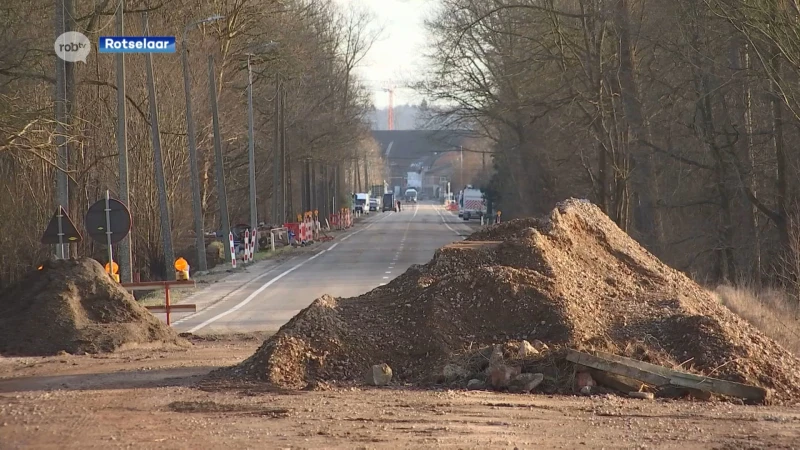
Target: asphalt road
column 376, row 251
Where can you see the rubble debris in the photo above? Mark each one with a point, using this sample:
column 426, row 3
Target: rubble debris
column 453, row 372
column 525, row 382
column 74, row 306
column 539, row 346
column 526, row 350
column 572, row 279
column 500, row 375
column 379, row 375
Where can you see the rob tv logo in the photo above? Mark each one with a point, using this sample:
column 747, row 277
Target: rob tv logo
column 73, row 46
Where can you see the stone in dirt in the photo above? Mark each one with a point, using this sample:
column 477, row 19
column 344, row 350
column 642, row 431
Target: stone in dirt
column 525, row 382
column 475, row 384
column 584, row 379
column 500, row 375
column 539, row 345
column 642, row 395
column 379, row 375
column 526, row 350
column 570, row 279
column 74, row 306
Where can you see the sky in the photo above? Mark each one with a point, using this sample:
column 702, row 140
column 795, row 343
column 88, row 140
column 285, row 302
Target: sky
column 396, row 57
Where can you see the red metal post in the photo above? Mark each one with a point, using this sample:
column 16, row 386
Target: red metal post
column 166, row 300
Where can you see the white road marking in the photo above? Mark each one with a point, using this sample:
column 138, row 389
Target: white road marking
column 385, row 278
column 389, row 271
column 333, row 246
column 232, row 293
column 254, row 294
column 447, row 224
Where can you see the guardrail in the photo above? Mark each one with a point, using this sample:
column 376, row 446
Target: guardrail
column 166, row 286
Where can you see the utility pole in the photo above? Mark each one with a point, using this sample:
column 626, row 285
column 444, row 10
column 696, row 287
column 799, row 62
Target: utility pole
column 62, row 182
column 276, row 159
column 251, row 154
column 194, row 176
column 69, row 104
column 461, row 149
column 166, row 234
column 125, row 269
column 285, row 180
column 222, row 197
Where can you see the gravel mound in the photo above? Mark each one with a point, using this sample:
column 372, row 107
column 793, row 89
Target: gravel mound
column 74, row 306
column 573, row 279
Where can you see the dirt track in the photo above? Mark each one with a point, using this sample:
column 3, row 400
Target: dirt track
column 149, row 399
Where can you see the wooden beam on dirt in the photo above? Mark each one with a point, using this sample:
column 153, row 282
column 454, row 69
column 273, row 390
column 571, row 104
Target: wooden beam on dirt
column 186, row 308
column 605, row 365
column 662, row 376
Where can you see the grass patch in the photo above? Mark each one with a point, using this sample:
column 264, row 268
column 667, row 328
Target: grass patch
column 771, row 311
column 262, row 255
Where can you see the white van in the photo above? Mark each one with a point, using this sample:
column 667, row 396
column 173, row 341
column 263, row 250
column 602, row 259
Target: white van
column 471, row 204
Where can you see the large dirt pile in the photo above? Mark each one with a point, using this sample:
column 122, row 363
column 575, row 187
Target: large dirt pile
column 74, row 306
column 571, row 279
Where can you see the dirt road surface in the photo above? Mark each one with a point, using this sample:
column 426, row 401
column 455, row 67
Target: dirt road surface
column 154, row 399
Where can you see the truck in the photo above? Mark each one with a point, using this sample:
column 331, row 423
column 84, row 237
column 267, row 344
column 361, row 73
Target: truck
column 388, row 202
column 361, row 202
column 471, row 203
column 411, row 195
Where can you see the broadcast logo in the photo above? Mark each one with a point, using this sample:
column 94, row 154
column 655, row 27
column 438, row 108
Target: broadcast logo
column 137, row 44
column 73, row 47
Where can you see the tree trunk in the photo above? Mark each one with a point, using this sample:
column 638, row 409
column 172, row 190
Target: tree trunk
column 643, row 177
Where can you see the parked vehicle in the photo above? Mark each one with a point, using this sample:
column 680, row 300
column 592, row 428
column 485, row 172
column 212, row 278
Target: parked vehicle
column 471, row 204
column 373, row 204
column 411, row 195
column 360, row 202
column 388, row 202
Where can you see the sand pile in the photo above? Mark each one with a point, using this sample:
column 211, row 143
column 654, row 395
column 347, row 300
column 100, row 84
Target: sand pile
column 573, row 279
column 74, row 306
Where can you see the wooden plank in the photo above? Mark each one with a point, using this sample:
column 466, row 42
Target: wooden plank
column 172, row 308
column 662, row 376
column 692, row 381
column 594, row 362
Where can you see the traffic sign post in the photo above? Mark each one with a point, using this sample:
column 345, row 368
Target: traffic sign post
column 60, row 231
column 108, row 221
column 233, row 250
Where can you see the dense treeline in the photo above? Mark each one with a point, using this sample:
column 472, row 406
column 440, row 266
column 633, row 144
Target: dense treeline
column 678, row 118
column 318, row 45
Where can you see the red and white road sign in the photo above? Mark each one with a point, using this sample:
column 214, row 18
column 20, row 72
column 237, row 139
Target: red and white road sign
column 233, row 250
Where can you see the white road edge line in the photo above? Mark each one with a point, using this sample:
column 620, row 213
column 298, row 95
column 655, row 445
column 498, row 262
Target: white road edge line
column 253, row 295
column 229, row 294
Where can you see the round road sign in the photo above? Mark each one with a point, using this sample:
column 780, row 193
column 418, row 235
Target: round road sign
column 119, row 216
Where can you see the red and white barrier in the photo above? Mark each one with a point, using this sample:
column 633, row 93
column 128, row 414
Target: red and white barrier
column 254, row 236
column 233, row 250
column 246, row 257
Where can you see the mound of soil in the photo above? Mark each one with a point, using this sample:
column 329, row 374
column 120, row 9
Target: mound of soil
column 573, row 279
column 74, row 306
